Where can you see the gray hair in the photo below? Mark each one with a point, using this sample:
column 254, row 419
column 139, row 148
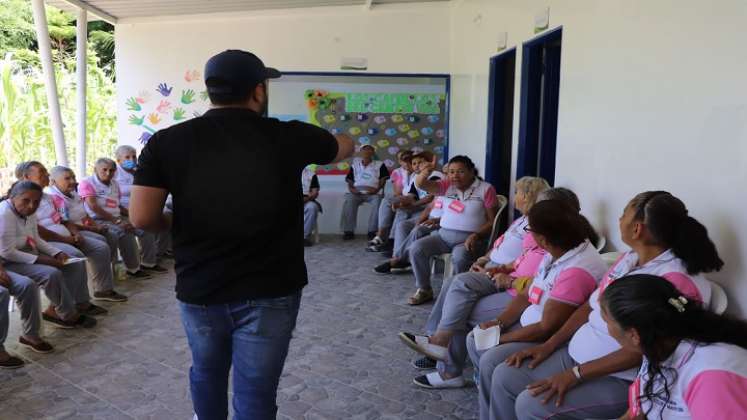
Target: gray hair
column 105, row 161
column 58, row 171
column 123, row 150
column 561, row 194
column 531, row 186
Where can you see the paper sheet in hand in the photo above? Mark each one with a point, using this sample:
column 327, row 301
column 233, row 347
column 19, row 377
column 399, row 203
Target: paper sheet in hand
column 485, row 339
column 74, row 260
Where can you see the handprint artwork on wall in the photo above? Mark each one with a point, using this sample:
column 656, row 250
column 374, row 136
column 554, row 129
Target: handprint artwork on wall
column 133, row 105
column 164, row 89
column 163, row 107
column 188, row 96
column 191, row 76
column 144, row 137
column 142, row 97
column 135, row 120
column 204, row 95
column 179, row 114
column 154, row 118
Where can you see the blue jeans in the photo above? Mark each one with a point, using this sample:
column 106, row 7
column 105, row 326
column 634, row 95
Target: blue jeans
column 253, row 335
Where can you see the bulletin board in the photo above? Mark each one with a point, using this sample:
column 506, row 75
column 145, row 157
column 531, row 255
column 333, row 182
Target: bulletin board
column 390, row 112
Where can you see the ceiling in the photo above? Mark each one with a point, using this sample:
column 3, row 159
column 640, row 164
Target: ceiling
column 115, row 10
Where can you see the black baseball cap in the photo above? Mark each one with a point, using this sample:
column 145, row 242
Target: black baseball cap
column 235, row 71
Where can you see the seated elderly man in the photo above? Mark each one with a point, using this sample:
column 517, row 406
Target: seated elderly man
column 366, row 181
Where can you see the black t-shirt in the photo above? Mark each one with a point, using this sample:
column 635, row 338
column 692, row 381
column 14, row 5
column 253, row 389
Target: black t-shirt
column 238, row 205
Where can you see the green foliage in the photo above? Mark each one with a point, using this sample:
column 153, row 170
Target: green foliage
column 25, row 132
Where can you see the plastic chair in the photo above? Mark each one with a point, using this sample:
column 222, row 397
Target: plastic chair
column 12, row 304
column 719, row 300
column 448, row 269
column 601, row 243
column 610, row 257
column 502, row 203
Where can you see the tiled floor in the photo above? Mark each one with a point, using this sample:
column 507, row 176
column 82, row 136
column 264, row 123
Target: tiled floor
column 345, row 360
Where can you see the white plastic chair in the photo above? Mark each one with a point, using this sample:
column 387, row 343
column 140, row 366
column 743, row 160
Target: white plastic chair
column 601, row 243
column 610, row 257
column 719, row 301
column 446, row 258
column 12, row 305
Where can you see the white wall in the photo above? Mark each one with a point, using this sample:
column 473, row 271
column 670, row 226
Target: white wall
column 652, row 96
column 396, row 38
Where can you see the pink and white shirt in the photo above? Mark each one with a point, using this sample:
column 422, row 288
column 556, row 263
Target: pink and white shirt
column 593, row 341
column 125, row 180
column 401, row 178
column 73, row 205
column 508, row 246
column 107, row 196
column 709, row 381
column 51, row 213
column 465, row 210
column 19, row 237
column 570, row 279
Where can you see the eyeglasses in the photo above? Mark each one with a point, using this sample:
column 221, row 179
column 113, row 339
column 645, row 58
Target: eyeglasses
column 527, row 229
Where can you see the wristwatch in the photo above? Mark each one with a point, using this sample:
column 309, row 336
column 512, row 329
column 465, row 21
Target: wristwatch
column 577, row 372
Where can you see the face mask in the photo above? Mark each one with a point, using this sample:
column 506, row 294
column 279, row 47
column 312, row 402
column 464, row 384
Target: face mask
column 129, row 164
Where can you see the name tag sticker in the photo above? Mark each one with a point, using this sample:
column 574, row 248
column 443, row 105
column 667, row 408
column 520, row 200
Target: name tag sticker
column 535, row 294
column 438, row 204
column 56, row 217
column 111, row 203
column 457, row 206
column 31, row 242
column 634, row 399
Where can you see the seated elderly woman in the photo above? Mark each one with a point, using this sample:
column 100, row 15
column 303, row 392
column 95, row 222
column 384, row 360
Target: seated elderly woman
column 101, row 197
column 62, row 188
column 56, row 228
column 400, row 178
column 470, row 206
column 566, row 277
column 151, row 245
column 26, row 253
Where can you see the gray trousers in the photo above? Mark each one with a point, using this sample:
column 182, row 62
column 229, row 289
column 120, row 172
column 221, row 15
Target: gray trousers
column 26, row 293
column 407, row 232
column 350, row 211
column 148, row 248
column 64, row 287
column 489, row 310
column 389, row 218
column 310, row 215
column 96, row 249
column 163, row 243
column 605, row 397
column 441, row 242
column 126, row 243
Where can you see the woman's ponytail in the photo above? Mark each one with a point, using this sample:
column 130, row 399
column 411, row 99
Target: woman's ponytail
column 693, row 246
column 667, row 219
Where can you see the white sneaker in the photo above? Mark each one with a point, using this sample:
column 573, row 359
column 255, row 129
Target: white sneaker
column 434, row 380
column 420, row 344
column 375, row 241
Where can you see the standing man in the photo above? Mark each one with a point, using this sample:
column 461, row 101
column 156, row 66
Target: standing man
column 237, row 231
